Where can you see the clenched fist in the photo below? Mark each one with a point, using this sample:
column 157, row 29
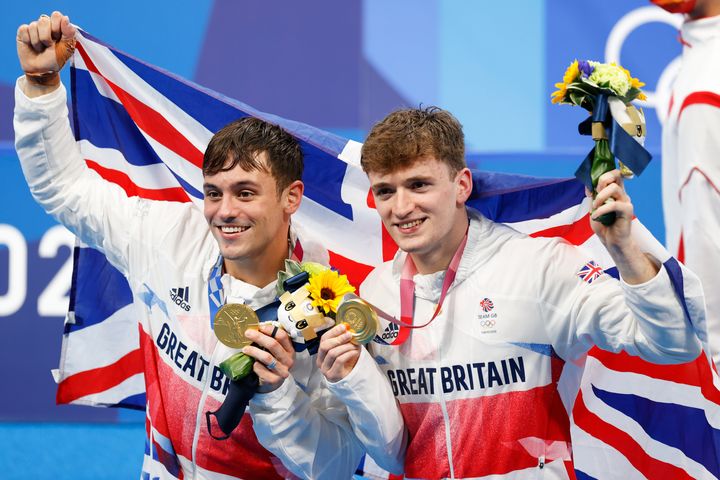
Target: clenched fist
column 44, row 46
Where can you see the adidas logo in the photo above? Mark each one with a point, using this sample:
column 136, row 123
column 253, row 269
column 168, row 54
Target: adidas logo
column 180, row 297
column 390, row 332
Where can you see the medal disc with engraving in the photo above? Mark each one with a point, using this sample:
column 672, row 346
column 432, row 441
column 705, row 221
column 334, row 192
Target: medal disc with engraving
column 231, row 322
column 361, row 318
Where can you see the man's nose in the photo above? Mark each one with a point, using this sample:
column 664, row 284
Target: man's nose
column 228, row 208
column 404, row 203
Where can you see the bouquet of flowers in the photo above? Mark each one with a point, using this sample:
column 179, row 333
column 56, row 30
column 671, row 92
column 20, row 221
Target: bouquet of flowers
column 584, row 79
column 605, row 90
column 309, row 296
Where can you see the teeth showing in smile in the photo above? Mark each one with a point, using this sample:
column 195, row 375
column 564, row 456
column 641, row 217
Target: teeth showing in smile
column 411, row 224
column 233, row 229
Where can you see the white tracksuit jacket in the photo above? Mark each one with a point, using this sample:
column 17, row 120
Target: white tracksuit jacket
column 484, row 389
column 159, row 246
column 691, row 164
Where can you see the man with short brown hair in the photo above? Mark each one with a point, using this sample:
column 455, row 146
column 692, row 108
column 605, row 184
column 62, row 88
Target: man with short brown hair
column 479, row 319
column 229, row 255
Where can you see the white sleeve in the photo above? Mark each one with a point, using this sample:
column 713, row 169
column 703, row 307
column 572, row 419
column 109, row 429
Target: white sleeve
column 699, row 197
column 95, row 210
column 309, row 432
column 374, row 413
column 99, row 212
column 701, row 246
column 646, row 320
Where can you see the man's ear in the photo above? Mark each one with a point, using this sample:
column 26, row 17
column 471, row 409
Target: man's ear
column 464, row 183
column 293, row 196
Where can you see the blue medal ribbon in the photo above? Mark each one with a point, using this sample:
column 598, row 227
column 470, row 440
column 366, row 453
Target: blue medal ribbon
column 217, row 298
column 622, row 145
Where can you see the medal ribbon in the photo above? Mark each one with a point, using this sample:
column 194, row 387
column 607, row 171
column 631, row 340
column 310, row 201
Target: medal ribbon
column 240, row 392
column 216, row 292
column 407, row 294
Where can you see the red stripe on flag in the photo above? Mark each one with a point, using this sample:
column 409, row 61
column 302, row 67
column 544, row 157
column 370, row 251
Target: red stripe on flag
column 99, row 379
column 576, row 233
column 176, row 194
column 389, row 247
column 681, row 249
column 370, row 199
column 624, row 443
column 150, row 121
column 700, row 98
column 355, row 271
column 697, row 373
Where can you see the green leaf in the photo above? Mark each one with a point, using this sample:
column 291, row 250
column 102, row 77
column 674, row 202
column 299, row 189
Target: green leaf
column 292, row 268
column 603, row 162
column 577, row 98
column 631, row 95
column 237, row 366
column 584, row 88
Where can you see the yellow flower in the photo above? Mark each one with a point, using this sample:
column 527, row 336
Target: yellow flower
column 327, row 289
column 559, row 95
column 633, row 81
column 571, row 74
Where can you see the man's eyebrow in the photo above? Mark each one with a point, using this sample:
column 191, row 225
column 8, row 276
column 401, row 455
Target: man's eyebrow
column 418, row 177
column 379, row 185
column 236, row 185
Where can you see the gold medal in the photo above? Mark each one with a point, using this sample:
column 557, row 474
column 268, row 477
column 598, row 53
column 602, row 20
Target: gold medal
column 360, row 316
column 231, row 322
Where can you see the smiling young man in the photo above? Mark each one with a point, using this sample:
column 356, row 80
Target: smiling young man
column 252, row 184
column 497, row 315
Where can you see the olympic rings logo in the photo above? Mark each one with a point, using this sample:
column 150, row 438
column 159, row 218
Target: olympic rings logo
column 487, row 323
column 620, row 32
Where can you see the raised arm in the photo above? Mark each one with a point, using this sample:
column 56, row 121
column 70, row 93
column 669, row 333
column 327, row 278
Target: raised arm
column 634, row 266
column 98, row 212
column 644, row 314
column 43, row 47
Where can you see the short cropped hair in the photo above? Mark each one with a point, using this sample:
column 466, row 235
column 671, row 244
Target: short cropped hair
column 408, row 134
column 241, row 141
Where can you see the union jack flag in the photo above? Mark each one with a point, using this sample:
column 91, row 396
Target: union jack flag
column 486, row 304
column 145, row 129
column 590, row 272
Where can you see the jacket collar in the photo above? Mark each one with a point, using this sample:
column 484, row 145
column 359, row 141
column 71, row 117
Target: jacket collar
column 429, row 286
column 696, row 32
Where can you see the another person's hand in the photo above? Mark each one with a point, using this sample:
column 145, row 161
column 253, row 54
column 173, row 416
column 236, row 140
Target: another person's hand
column 337, row 356
column 273, row 364
column 634, row 266
column 610, row 187
column 43, row 47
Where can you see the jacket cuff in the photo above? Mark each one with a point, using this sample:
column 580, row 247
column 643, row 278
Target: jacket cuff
column 660, row 283
column 25, row 103
column 281, row 398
